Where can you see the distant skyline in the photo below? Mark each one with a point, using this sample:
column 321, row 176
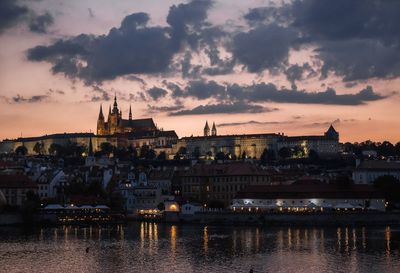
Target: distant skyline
column 249, row 66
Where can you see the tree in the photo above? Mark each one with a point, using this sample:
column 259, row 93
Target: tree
column 56, row 149
column 313, row 156
column 266, row 156
column 21, row 150
column 151, row 154
column 220, row 156
column 196, row 152
column 180, row 153
column 162, row 156
column 38, row 148
column 106, row 148
column 390, row 187
column 284, row 152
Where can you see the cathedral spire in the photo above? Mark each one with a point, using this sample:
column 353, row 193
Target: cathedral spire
column 130, row 112
column 101, row 116
column 90, row 152
column 214, row 130
column 206, row 129
column 115, row 108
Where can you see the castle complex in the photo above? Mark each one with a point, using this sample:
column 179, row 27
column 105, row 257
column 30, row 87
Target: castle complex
column 135, row 133
column 115, row 124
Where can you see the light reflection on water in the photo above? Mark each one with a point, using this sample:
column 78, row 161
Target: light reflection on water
column 152, row 247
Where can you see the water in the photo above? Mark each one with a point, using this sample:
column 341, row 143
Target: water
column 151, row 247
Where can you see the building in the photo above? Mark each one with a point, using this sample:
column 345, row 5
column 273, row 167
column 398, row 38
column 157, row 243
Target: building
column 368, row 171
column 311, row 196
column 51, row 183
column 253, row 145
column 207, row 183
column 325, row 145
column 115, row 124
column 15, row 187
column 235, row 146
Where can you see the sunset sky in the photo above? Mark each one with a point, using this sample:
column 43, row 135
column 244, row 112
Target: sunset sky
column 249, row 66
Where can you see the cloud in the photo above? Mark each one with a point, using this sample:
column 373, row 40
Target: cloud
column 133, row 48
column 11, row 13
column 100, row 94
column 253, row 122
column 33, row 99
column 268, row 92
column 39, row 24
column 151, row 109
column 298, row 72
column 265, row 47
column 232, row 108
column 156, row 93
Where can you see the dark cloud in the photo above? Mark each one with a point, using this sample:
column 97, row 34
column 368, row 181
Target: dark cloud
column 156, row 93
column 299, row 72
column 133, row 48
column 253, row 122
column 55, row 91
column 185, row 16
column 268, row 92
column 230, row 108
column 10, row 13
column 359, row 59
column 265, row 47
column 100, row 94
column 151, row 109
column 39, row 24
column 33, row 99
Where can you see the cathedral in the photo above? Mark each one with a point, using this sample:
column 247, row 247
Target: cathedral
column 115, row 124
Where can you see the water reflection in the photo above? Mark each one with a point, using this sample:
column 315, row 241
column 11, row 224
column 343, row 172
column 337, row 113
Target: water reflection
column 154, row 247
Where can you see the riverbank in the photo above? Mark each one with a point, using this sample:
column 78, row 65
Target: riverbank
column 289, row 219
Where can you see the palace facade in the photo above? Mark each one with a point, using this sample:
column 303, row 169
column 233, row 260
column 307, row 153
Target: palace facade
column 135, row 133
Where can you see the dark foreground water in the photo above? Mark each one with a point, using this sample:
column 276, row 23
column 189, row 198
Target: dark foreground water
column 151, row 247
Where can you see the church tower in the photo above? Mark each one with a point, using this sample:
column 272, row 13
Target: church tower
column 114, row 119
column 214, row 130
column 130, row 112
column 206, row 129
column 100, row 122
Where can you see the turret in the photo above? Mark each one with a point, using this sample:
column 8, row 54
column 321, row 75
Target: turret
column 206, row 129
column 115, row 108
column 214, row 130
column 100, row 122
column 332, row 133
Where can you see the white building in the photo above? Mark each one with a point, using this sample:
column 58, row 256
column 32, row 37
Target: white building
column 308, row 197
column 368, row 171
column 50, row 182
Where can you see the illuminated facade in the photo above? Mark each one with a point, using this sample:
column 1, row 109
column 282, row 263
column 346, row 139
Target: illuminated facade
column 115, row 124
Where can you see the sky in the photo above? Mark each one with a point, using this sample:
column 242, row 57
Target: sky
column 254, row 66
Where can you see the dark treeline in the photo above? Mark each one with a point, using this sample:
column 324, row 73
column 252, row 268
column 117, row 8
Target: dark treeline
column 383, row 149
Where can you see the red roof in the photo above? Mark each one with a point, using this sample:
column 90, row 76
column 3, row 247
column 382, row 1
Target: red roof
column 16, row 181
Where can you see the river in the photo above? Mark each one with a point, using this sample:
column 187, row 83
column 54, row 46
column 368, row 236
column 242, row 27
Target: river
column 156, row 247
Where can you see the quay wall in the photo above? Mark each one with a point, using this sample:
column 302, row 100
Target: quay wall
column 314, row 219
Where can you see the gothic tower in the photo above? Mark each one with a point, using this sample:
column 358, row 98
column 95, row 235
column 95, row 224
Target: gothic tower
column 100, row 122
column 214, row 130
column 114, row 119
column 206, row 129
